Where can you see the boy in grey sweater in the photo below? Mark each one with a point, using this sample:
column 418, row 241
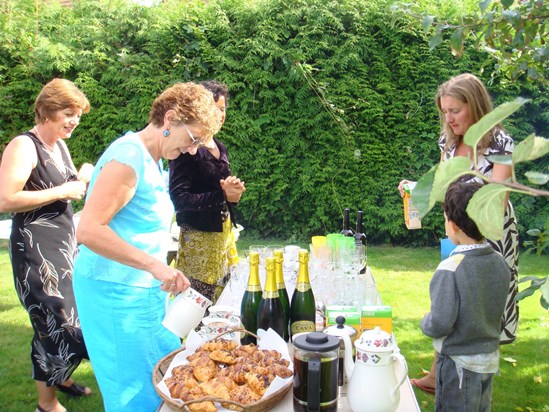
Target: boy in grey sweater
column 468, row 294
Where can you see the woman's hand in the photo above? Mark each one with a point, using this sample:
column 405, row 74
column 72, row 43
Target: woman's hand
column 74, row 190
column 173, row 280
column 85, row 172
column 233, row 188
column 401, row 186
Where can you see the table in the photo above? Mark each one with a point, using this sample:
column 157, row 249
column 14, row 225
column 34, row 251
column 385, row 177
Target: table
column 408, row 402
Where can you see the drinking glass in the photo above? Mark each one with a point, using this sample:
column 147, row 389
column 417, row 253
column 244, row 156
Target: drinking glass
column 270, row 249
column 261, row 249
column 359, row 256
column 237, row 282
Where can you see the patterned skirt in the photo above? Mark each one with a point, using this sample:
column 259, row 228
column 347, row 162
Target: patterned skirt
column 203, row 258
column 508, row 248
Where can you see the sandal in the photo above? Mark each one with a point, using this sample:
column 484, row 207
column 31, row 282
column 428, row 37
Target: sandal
column 40, row 409
column 415, row 382
column 73, row 390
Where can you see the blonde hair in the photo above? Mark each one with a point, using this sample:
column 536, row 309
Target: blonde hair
column 58, row 94
column 192, row 103
column 470, row 90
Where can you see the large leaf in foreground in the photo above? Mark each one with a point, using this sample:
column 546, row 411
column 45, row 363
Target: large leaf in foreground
column 421, row 195
column 533, row 147
column 447, row 173
column 537, row 178
column 486, row 208
column 544, row 289
column 488, row 121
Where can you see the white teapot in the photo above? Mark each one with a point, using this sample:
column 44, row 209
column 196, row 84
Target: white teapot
column 373, row 385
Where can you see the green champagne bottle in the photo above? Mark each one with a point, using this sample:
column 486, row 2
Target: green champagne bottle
column 269, row 313
column 250, row 300
column 302, row 308
column 282, row 292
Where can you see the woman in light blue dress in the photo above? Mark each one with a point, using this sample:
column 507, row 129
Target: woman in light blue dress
column 120, row 276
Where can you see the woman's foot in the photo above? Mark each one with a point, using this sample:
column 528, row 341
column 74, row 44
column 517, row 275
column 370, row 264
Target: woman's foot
column 55, row 408
column 47, row 399
column 426, row 384
column 74, row 389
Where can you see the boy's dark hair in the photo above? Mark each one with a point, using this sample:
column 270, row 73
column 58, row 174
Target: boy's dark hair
column 455, row 206
column 218, row 89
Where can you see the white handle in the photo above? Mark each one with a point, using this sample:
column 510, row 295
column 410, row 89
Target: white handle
column 398, row 357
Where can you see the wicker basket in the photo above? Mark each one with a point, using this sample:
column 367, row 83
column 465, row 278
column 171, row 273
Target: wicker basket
column 262, row 405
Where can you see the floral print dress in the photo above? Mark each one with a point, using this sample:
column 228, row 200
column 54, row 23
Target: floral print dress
column 42, row 251
column 501, row 144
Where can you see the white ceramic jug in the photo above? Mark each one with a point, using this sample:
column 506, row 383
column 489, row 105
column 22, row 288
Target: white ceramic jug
column 373, row 385
column 185, row 312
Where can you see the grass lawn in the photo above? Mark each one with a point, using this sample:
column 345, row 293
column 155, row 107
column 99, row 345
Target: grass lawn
column 402, row 275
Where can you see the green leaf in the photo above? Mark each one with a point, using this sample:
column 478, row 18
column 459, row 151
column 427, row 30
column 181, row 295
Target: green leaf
column 507, row 3
column 533, row 73
column 484, row 125
column 527, row 278
column 483, row 5
column 427, row 21
column 544, row 289
column 486, row 208
column 421, row 194
column 506, row 160
column 456, row 42
column 531, row 148
column 529, row 291
column 447, row 173
column 537, row 178
column 435, row 41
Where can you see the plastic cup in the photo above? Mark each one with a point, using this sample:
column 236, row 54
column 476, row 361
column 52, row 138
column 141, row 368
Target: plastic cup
column 318, row 241
column 446, row 247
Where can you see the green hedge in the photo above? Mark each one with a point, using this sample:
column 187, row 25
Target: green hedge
column 331, row 106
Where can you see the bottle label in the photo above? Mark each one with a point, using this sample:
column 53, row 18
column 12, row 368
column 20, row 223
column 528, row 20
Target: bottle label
column 302, row 326
column 253, row 288
column 303, row 286
column 269, row 294
column 281, row 286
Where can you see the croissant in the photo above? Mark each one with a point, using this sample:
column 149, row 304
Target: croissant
column 219, row 344
column 243, row 394
column 223, row 369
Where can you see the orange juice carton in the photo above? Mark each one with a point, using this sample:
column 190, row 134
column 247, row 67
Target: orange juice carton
column 411, row 212
column 351, row 314
column 372, row 316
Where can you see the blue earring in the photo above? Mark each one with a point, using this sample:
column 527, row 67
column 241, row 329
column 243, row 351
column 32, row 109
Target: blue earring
column 166, row 133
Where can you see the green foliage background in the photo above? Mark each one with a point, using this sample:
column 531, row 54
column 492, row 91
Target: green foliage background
column 331, row 105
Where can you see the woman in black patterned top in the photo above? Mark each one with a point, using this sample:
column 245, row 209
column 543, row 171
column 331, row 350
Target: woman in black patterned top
column 204, row 193
column 462, row 101
column 38, row 181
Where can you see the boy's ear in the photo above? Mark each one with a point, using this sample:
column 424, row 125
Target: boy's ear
column 455, row 228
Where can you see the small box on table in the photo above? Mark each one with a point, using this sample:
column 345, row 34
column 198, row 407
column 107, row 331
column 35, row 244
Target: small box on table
column 352, row 316
column 373, row 316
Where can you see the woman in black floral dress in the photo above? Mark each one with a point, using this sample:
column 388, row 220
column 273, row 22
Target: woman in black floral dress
column 38, row 180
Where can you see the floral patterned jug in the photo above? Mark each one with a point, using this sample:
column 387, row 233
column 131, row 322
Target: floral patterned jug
column 373, row 385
